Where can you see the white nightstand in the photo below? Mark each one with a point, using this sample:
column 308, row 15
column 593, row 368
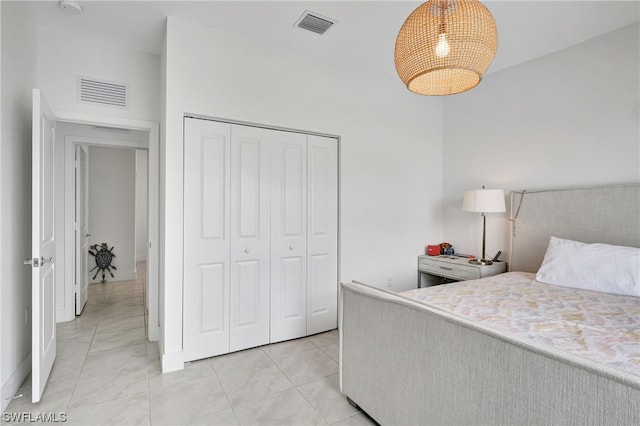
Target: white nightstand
column 434, row 270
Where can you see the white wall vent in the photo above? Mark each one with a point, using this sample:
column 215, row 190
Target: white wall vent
column 315, row 22
column 102, row 92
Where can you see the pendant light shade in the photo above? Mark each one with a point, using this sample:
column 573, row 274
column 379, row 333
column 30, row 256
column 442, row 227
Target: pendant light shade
column 445, row 46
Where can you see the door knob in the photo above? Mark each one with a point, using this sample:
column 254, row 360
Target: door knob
column 247, row 250
column 291, row 247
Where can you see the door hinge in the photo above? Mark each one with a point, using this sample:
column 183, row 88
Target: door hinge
column 77, row 163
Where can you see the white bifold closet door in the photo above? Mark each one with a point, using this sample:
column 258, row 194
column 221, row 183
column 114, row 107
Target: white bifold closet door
column 304, row 236
column 288, row 236
column 260, row 242
column 207, row 201
column 250, row 237
column 322, row 234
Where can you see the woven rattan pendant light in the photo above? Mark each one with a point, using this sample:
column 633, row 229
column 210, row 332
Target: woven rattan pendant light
column 445, row 46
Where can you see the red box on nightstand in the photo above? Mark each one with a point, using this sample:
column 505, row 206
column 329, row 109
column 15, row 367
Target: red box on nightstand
column 433, row 250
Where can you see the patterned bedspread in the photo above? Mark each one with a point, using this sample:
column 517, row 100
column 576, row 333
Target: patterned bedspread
column 601, row 327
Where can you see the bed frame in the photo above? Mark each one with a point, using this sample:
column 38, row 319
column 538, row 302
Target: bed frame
column 405, row 363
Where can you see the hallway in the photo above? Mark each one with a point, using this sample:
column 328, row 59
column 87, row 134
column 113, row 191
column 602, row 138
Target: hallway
column 101, row 355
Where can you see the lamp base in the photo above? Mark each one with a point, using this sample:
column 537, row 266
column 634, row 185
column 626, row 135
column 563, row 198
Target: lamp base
column 482, row 262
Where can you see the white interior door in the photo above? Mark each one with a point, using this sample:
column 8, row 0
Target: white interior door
column 82, row 228
column 43, row 350
column 250, row 238
column 322, row 234
column 288, row 236
column 206, row 239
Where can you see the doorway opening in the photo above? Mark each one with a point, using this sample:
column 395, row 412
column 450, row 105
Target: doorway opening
column 100, row 164
column 111, row 220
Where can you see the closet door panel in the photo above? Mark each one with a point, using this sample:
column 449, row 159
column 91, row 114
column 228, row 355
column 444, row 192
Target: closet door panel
column 288, row 236
column 248, row 291
column 322, row 234
column 206, row 238
column 293, row 293
column 248, row 187
column 212, row 297
column 320, row 300
column 250, row 234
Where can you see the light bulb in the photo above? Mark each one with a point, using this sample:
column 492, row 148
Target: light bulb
column 442, row 48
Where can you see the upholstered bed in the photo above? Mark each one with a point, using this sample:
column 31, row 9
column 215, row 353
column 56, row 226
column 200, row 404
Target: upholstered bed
column 507, row 349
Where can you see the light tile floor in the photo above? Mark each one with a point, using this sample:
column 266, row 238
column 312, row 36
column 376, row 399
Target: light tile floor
column 107, row 373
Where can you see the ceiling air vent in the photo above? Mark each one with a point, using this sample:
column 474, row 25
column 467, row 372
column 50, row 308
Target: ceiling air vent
column 102, row 92
column 315, row 22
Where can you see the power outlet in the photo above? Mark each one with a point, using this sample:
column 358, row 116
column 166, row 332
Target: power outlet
column 389, row 281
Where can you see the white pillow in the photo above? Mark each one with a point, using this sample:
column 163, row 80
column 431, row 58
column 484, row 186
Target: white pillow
column 598, row 267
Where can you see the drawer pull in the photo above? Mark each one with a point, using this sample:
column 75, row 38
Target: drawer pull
column 446, row 269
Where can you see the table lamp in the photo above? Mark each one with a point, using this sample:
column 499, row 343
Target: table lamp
column 483, row 201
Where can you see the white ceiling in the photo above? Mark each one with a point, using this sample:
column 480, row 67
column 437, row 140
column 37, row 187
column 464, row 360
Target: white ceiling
column 364, row 36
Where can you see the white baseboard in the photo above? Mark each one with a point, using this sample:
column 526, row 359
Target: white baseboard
column 12, row 385
column 170, row 362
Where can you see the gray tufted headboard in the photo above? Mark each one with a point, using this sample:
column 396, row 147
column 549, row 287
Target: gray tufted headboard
column 604, row 214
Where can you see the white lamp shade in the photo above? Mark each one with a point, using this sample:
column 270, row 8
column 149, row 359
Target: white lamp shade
column 484, row 201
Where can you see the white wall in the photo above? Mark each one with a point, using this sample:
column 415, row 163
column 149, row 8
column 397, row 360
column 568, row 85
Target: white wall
column 391, row 147
column 567, row 119
column 112, row 207
column 141, row 196
column 63, row 57
column 18, row 78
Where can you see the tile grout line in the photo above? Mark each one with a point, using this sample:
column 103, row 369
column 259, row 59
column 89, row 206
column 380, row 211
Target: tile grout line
column 296, row 387
column 226, row 395
column 95, row 333
column 84, row 361
column 309, row 402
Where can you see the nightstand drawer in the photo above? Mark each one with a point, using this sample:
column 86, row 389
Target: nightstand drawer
column 452, row 270
column 424, row 262
column 434, row 270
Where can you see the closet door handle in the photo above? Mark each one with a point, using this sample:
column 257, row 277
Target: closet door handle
column 247, row 250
